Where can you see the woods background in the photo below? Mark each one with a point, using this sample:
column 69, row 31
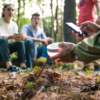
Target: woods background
column 54, row 14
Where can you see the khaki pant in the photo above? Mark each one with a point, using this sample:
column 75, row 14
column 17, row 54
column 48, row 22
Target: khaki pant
column 96, row 62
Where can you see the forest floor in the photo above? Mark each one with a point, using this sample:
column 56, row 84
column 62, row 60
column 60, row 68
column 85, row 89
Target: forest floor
column 56, row 82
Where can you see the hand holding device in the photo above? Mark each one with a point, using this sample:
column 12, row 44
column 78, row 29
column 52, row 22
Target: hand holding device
column 76, row 29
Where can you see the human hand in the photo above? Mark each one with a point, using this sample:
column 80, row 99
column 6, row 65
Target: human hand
column 44, row 41
column 90, row 28
column 98, row 21
column 17, row 37
column 24, row 37
column 65, row 54
column 50, row 40
column 78, row 36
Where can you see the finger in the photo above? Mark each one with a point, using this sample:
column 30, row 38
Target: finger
column 73, row 32
column 84, row 24
column 58, row 59
column 60, row 45
column 77, row 35
column 84, row 36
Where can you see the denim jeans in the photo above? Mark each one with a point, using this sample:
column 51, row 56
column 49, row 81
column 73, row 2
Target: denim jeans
column 6, row 49
column 29, row 52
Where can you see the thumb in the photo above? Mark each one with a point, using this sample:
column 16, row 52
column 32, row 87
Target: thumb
column 61, row 45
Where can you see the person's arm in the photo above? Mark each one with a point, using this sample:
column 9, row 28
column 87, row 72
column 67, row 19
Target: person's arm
column 43, row 38
column 25, row 36
column 97, row 4
column 89, row 49
column 89, row 27
column 25, row 31
column 50, row 40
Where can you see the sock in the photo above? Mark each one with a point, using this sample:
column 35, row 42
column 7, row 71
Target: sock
column 24, row 67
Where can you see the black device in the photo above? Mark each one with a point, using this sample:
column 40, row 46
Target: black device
column 76, row 29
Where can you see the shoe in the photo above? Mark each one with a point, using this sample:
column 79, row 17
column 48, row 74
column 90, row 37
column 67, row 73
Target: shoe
column 24, row 67
column 84, row 68
column 96, row 68
column 11, row 69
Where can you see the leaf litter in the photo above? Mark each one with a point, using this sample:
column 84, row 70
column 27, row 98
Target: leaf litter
column 50, row 85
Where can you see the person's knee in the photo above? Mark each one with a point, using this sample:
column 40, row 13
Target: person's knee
column 20, row 43
column 3, row 40
column 29, row 42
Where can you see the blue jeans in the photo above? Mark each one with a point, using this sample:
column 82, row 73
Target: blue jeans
column 29, row 52
column 6, row 49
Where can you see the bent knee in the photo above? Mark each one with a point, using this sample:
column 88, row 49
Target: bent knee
column 3, row 40
column 29, row 42
column 20, row 43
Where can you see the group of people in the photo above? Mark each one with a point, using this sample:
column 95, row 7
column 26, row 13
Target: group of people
column 25, row 43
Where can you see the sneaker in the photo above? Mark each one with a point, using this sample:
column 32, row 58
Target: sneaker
column 24, row 67
column 11, row 69
column 84, row 68
column 96, row 68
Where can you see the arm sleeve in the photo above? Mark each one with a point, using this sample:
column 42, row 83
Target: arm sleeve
column 43, row 34
column 89, row 49
column 25, row 29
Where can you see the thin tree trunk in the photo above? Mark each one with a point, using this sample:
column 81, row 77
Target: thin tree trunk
column 18, row 14
column 52, row 20
column 57, row 23
column 69, row 16
column 57, row 20
column 24, row 10
column 62, row 30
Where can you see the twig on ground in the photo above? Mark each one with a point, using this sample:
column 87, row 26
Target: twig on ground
column 40, row 72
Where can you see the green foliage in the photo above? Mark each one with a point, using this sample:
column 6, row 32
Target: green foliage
column 23, row 21
column 23, row 70
column 74, row 70
column 36, row 67
column 38, row 2
column 28, row 85
column 98, row 78
column 67, row 66
column 88, row 71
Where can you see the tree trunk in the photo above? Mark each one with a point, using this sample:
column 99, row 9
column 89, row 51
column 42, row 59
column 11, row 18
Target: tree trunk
column 62, row 30
column 18, row 14
column 57, row 21
column 69, row 16
column 52, row 20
